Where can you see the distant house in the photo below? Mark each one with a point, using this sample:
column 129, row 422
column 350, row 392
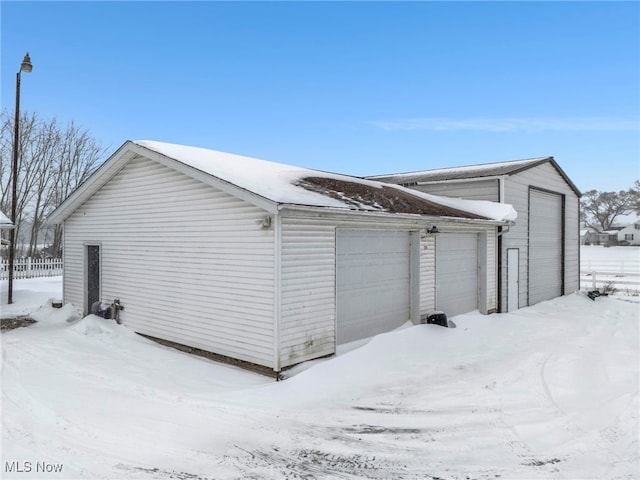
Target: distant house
column 629, row 235
column 268, row 263
column 539, row 256
column 588, row 236
column 5, row 224
column 608, row 238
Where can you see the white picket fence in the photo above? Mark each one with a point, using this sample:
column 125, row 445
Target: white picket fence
column 32, row 268
column 620, row 274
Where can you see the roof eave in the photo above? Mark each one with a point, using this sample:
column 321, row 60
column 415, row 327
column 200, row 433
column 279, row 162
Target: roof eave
column 488, row 175
column 566, row 178
column 283, row 207
column 209, row 179
column 91, row 185
column 127, row 152
column 526, row 163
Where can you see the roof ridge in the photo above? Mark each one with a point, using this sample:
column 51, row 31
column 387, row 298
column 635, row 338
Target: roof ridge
column 471, row 166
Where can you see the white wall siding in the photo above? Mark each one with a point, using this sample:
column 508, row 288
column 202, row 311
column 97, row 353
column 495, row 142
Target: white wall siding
column 427, row 273
column 473, row 190
column 544, row 176
column 491, row 273
column 189, row 263
column 308, row 321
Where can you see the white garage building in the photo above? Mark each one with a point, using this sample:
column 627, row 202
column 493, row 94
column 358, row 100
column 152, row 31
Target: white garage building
column 268, row 263
column 539, row 257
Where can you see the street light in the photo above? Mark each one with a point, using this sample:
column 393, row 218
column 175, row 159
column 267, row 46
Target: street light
column 25, row 67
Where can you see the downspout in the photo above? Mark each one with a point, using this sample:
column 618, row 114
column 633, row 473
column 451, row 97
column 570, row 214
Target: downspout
column 277, row 292
column 64, row 260
column 578, row 232
column 501, row 231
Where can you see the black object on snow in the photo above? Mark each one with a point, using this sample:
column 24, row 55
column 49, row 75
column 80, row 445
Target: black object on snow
column 110, row 312
column 101, row 310
column 438, row 318
column 593, row 294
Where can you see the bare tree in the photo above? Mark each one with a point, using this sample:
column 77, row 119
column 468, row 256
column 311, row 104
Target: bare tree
column 600, row 209
column 6, row 145
column 78, row 157
column 53, row 161
column 43, row 152
column 28, row 125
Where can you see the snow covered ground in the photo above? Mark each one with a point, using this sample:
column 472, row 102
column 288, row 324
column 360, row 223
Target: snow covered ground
column 615, row 268
column 548, row 392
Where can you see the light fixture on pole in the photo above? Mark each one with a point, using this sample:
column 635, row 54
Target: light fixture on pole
column 24, row 67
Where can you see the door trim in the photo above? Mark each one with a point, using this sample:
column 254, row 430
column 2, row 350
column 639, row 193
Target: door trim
column 510, row 274
column 480, row 288
column 413, row 286
column 562, row 196
column 86, row 245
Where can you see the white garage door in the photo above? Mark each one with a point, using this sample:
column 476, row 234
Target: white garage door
column 456, row 273
column 373, row 291
column 545, row 246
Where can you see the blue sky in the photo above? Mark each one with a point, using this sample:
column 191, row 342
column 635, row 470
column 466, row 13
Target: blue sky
column 359, row 88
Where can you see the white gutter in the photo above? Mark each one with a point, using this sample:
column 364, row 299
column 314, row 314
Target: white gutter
column 277, row 291
column 505, row 230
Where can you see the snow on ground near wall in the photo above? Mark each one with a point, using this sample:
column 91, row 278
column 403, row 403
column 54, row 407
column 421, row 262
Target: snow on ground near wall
column 615, row 267
column 29, row 295
column 549, row 391
column 598, row 253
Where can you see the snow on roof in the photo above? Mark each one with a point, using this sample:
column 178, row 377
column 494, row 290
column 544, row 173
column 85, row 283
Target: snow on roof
column 473, row 171
column 274, row 181
column 286, row 184
column 469, row 171
column 5, row 221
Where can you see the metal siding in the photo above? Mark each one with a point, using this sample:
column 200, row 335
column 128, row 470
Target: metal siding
column 189, row 262
column 473, row 190
column 517, row 194
column 517, row 185
column 513, row 284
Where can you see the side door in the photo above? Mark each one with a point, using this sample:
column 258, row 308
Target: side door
column 92, row 279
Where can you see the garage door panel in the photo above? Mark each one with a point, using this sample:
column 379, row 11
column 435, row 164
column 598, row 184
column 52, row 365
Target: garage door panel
column 545, row 246
column 457, row 273
column 372, row 282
